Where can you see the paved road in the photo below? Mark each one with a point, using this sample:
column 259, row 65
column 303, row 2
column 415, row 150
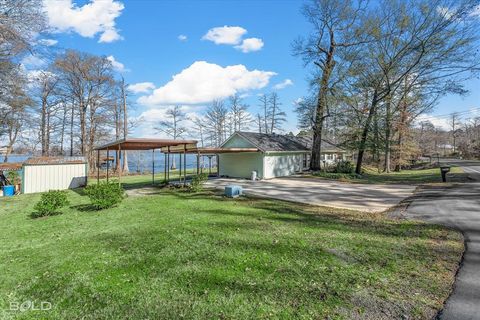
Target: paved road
column 365, row 197
column 457, row 207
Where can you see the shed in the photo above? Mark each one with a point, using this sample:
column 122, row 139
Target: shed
column 277, row 155
column 53, row 173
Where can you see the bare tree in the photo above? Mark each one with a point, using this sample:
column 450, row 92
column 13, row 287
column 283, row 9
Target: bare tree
column 216, row 117
column 335, row 28
column 276, row 116
column 173, row 125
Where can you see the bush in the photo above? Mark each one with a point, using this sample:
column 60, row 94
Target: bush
column 13, row 177
column 344, row 167
column 50, row 203
column 198, row 181
column 105, row 194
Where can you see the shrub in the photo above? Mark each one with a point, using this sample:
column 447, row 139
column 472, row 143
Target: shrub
column 13, row 177
column 198, row 181
column 50, row 203
column 344, row 167
column 105, row 194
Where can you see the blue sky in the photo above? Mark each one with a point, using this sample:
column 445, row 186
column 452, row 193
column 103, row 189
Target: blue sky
column 143, row 36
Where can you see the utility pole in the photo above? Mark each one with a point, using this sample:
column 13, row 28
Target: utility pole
column 125, row 126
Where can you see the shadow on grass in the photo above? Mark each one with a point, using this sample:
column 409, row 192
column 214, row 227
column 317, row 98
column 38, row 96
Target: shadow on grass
column 84, row 207
column 317, row 217
column 38, row 215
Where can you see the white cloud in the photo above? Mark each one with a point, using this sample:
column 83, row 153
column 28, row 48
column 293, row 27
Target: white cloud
column 250, row 45
column 95, row 17
column 476, row 11
column 182, row 37
column 225, row 35
column 439, row 122
column 283, row 84
column 150, row 119
column 47, row 42
column 141, row 87
column 118, row 66
column 32, row 61
column 203, row 82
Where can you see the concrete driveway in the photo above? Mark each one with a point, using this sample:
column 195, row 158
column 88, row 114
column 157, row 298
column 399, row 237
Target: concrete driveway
column 364, row 197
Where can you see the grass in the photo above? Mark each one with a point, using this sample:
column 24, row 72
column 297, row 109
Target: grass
column 180, row 255
column 139, row 180
column 416, row 176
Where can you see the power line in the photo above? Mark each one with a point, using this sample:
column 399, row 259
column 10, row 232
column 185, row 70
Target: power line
column 449, row 115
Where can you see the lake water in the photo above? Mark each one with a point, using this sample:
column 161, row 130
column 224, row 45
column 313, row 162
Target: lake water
column 138, row 161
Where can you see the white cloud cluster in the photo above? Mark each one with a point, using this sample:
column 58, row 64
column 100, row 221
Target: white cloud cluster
column 232, row 35
column 182, row 37
column 203, row 82
column 225, row 35
column 141, row 87
column 283, row 84
column 439, row 122
column 118, row 66
column 47, row 42
column 95, row 17
column 32, row 61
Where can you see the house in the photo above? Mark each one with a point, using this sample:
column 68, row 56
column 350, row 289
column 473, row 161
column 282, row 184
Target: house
column 277, row 155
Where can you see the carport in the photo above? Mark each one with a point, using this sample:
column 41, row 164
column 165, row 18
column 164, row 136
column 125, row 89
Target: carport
column 140, row 144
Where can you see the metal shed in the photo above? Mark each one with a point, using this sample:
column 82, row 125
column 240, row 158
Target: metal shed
column 53, row 173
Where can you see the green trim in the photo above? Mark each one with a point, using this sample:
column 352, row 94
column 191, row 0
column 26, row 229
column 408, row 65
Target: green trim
column 23, row 181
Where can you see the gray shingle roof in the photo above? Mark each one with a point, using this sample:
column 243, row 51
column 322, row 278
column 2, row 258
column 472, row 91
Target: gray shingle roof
column 277, row 142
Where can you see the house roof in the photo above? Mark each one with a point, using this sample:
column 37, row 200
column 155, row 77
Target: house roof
column 54, row 160
column 281, row 143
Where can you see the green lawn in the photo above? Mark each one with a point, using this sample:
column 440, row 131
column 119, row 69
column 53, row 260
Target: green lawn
column 200, row 256
column 139, row 180
column 417, row 176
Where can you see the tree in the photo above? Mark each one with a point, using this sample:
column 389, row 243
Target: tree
column 276, row 116
column 335, row 28
column 20, row 22
column 418, row 41
column 216, row 117
column 88, row 81
column 240, row 117
column 173, row 125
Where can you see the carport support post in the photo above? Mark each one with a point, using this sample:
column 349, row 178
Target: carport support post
column 153, row 166
column 168, row 164
column 98, row 166
column 120, row 167
column 218, row 165
column 198, row 162
column 184, row 165
column 165, row 167
column 108, row 162
column 180, row 172
column 209, row 165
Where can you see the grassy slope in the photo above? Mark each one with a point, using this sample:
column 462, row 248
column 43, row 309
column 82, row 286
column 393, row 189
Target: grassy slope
column 404, row 176
column 202, row 256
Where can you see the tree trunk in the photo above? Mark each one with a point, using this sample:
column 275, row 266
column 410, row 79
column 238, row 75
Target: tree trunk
column 71, row 127
column 366, row 129
column 315, row 162
column 388, row 131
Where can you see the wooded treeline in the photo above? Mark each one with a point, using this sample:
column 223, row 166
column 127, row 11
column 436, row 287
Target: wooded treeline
column 378, row 66
column 72, row 104
column 222, row 118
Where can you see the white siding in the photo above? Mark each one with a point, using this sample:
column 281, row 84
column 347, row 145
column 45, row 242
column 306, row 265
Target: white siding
column 281, row 164
column 40, row 178
column 236, row 141
column 241, row 165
